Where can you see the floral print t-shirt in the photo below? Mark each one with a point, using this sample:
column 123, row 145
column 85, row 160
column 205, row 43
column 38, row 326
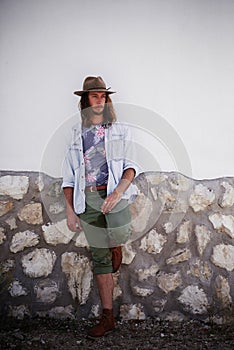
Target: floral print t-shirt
column 96, row 170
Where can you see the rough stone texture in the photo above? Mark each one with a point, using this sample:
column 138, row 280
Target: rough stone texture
column 128, row 254
column 31, row 213
column 12, row 223
column 201, row 198
column 19, row 311
column 178, row 263
column 5, row 207
column 117, row 290
column 222, row 288
column 142, row 292
column 22, row 240
column 79, row 274
column 184, row 232
column 203, row 237
column 141, row 211
column 228, row 197
column 38, row 263
column 224, row 223
column 59, row 312
column 159, row 304
column 144, row 274
column 46, row 291
column 80, row 240
column 132, row 311
column 179, row 182
column 169, row 282
column 201, row 269
column 178, row 256
column 223, row 256
column 16, row 289
column 153, row 243
column 2, row 235
column 57, row 233
column 194, row 300
column 14, row 186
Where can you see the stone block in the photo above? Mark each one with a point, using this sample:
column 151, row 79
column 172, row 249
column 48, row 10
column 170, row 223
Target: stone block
column 144, row 274
column 141, row 209
column 38, row 263
column 179, row 182
column 5, row 207
column 2, row 235
column 19, row 311
column 22, row 240
column 16, row 289
column 12, row 223
column 132, row 312
column 80, row 240
column 223, row 256
column 153, row 242
column 179, row 256
column 59, row 313
column 194, row 300
column 228, row 197
column 46, row 291
column 57, row 233
column 14, row 186
column 159, row 305
column 31, row 213
column 201, row 269
column 184, row 232
column 117, row 290
column 169, row 281
column 128, row 254
column 224, row 223
column 201, row 197
column 222, row 289
column 142, row 292
column 203, row 236
column 79, row 275
column 156, row 179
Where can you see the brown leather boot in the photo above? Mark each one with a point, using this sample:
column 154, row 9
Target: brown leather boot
column 105, row 326
column 116, row 257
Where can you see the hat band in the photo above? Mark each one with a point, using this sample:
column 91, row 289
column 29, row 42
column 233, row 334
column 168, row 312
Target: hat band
column 95, row 88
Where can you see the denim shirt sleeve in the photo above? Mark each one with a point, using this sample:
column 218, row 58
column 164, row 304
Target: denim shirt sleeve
column 68, row 171
column 73, row 170
column 120, row 156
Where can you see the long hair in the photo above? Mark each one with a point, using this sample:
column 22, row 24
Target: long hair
column 86, row 112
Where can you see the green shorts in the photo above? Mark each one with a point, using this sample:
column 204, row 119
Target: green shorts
column 104, row 230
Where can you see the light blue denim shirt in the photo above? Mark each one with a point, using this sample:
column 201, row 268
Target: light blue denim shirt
column 120, row 156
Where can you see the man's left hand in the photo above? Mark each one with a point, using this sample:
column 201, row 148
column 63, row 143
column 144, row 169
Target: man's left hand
column 110, row 202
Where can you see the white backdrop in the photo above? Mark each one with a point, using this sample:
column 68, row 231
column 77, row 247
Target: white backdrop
column 173, row 57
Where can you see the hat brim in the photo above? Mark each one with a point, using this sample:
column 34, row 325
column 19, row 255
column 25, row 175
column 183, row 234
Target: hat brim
column 81, row 92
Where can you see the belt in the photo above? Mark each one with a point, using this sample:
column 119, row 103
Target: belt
column 95, row 188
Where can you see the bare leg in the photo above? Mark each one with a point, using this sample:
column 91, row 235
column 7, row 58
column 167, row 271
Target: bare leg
column 106, row 286
column 107, row 323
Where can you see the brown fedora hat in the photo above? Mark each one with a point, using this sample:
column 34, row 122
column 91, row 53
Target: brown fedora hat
column 93, row 84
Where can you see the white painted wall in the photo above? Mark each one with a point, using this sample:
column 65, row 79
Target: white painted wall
column 174, row 57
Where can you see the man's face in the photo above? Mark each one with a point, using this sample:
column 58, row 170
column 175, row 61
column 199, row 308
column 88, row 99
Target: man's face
column 97, row 101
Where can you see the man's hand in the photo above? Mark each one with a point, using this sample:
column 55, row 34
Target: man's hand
column 110, row 202
column 73, row 221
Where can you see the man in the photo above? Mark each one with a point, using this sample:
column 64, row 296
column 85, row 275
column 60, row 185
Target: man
column 97, row 183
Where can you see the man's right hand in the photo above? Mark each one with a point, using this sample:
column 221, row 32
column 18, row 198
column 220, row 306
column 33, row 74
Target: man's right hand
column 73, row 221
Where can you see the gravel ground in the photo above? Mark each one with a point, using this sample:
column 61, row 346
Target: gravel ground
column 149, row 334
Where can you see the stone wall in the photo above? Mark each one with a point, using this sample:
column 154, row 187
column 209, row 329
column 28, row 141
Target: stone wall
column 178, row 263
